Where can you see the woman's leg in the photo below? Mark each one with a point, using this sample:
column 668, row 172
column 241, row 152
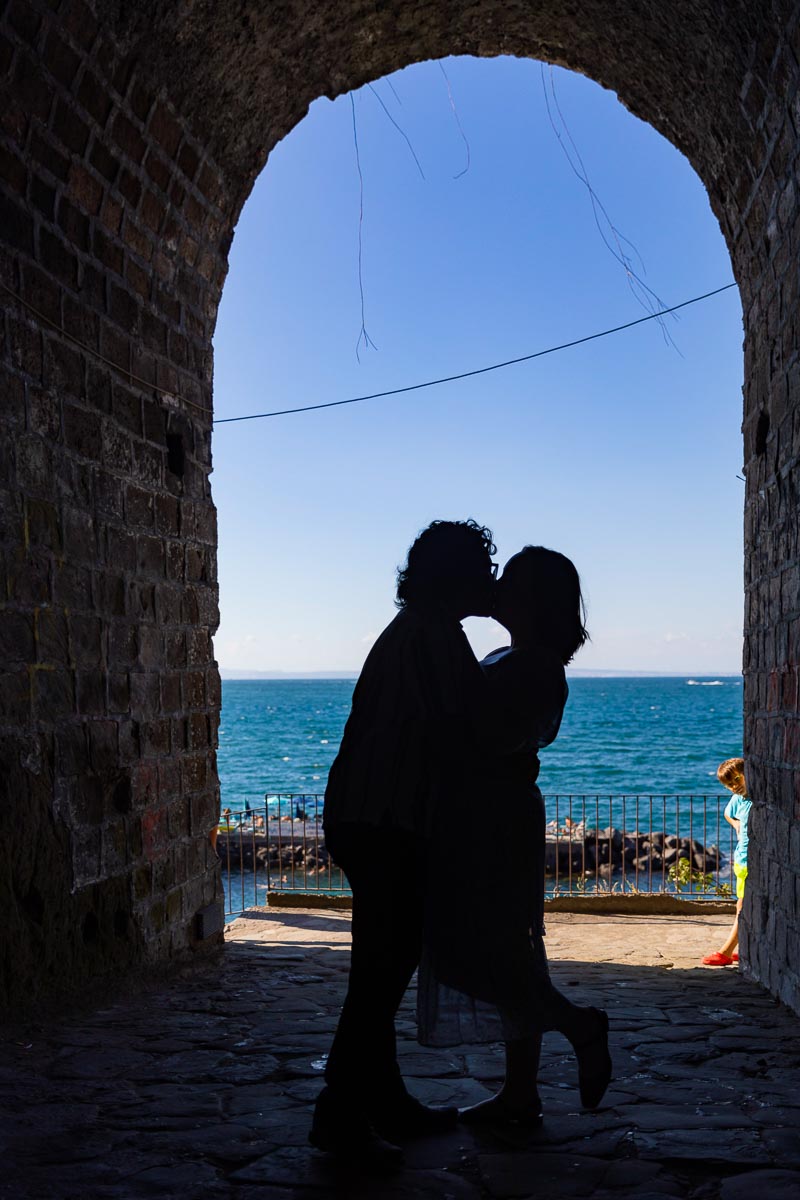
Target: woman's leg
column 522, row 1067
column 517, row 1103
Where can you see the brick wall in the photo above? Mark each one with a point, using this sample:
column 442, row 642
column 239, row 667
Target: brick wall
column 130, row 135
column 770, row 232
column 109, row 693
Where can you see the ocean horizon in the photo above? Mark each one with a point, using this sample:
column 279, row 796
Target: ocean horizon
column 233, row 673
column 625, row 734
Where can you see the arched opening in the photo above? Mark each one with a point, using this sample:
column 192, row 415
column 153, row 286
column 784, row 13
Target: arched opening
column 459, row 273
column 625, row 453
column 132, row 140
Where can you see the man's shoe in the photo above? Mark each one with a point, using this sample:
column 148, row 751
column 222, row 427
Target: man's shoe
column 496, row 1114
column 339, row 1130
column 594, row 1062
column 407, row 1117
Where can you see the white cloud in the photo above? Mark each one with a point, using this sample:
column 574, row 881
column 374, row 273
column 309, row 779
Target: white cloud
column 243, row 643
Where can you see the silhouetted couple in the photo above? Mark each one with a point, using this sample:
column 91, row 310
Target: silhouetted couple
column 432, row 793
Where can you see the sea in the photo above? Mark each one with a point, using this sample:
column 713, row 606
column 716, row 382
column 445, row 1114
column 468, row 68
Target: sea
column 620, row 736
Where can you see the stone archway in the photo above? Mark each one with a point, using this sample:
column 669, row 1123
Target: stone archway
column 131, row 137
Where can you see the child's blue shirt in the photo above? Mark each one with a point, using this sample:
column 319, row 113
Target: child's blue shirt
column 738, row 807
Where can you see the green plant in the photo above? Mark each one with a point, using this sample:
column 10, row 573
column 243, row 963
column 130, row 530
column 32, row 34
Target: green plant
column 683, row 875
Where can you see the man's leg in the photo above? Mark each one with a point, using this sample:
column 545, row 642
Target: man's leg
column 385, row 871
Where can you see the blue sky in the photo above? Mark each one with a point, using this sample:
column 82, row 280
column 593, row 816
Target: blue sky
column 623, row 453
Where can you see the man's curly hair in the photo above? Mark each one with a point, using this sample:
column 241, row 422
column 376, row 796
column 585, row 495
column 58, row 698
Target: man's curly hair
column 440, row 559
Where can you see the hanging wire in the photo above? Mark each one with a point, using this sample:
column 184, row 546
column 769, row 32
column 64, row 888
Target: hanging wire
column 644, row 295
column 363, row 335
column 399, row 128
column 457, row 120
column 393, row 90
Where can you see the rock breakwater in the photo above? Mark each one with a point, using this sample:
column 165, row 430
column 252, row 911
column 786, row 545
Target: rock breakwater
column 576, row 850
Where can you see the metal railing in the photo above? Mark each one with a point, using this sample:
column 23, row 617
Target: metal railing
column 645, row 844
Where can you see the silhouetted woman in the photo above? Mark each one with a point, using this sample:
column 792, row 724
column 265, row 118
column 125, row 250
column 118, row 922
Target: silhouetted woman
column 485, row 973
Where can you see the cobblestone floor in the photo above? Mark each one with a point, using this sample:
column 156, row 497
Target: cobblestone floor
column 203, row 1086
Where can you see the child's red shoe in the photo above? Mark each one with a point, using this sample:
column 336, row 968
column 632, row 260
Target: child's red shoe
column 735, row 956
column 717, row 960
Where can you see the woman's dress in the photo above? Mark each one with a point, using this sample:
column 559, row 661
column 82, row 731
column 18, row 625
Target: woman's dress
column 483, row 975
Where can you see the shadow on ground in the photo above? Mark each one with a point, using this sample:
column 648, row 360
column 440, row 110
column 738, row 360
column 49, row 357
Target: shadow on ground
column 203, row 1086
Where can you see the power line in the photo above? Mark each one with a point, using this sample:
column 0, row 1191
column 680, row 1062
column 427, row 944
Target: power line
column 510, row 362
column 146, row 385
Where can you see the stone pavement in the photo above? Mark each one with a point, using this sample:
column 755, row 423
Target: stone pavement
column 202, row 1085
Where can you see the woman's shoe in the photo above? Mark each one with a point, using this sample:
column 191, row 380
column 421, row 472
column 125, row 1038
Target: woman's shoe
column 717, row 959
column 594, row 1062
column 734, row 957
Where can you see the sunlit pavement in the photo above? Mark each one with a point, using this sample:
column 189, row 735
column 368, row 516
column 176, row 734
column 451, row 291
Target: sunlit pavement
column 204, row 1085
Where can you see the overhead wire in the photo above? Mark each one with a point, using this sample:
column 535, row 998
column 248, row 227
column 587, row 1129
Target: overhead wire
column 147, row 385
column 509, row 362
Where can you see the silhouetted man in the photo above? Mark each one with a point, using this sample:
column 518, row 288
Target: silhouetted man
column 407, row 746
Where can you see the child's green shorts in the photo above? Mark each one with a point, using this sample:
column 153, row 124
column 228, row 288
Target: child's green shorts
column 740, row 872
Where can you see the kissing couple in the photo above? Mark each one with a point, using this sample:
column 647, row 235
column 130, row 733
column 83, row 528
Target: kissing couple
column 435, row 779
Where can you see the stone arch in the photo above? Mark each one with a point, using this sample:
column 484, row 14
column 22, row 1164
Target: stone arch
column 131, row 137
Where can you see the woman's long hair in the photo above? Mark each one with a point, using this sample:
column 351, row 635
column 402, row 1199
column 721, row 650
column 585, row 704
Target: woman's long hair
column 552, row 587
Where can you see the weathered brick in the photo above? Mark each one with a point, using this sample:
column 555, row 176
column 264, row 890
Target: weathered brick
column 53, row 693
column 150, row 556
column 85, row 637
column 25, row 21
column 16, row 224
column 85, row 189
column 13, row 169
column 83, row 432
column 130, row 188
column 91, row 692
column 123, row 644
column 70, row 129
column 32, row 89
column 15, row 696
column 72, row 585
column 151, row 651
column 57, row 258
column 103, row 748
column 79, row 536
column 128, row 137
column 165, row 129
column 61, row 59
column 93, row 97
column 104, row 161
column 16, row 637
column 139, row 507
column 34, row 462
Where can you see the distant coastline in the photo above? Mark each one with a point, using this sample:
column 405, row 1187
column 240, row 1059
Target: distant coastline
column 236, row 673
column 573, row 672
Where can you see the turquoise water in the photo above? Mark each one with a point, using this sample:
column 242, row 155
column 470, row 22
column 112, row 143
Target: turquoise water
column 619, row 735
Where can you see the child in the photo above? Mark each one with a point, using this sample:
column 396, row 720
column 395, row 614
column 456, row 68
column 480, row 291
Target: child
column 737, row 812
